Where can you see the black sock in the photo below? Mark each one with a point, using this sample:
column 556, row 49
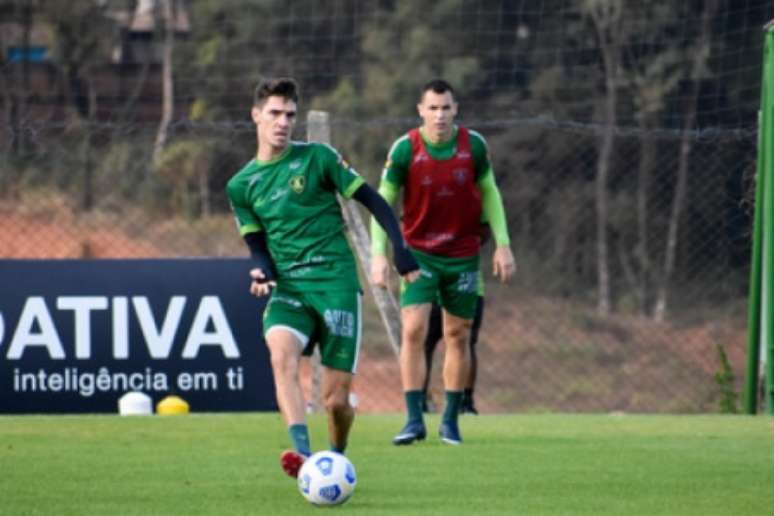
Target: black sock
column 414, row 405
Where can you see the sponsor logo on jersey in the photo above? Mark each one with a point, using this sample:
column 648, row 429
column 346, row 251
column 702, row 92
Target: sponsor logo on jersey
column 278, row 193
column 438, row 238
column 297, row 183
column 425, row 273
column 445, row 192
column 294, row 164
column 467, row 282
column 340, row 322
column 254, row 179
column 345, row 164
column 287, row 300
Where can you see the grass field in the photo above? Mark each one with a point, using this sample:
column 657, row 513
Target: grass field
column 226, row 464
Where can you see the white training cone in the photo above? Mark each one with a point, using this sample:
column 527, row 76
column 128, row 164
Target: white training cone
column 135, row 404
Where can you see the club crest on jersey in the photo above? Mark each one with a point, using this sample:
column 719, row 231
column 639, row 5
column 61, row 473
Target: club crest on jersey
column 297, row 183
column 460, row 175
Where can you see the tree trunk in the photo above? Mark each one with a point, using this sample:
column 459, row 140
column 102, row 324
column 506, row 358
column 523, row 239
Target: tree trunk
column 204, row 189
column 8, row 101
column 648, row 155
column 686, row 144
column 601, row 194
column 607, row 23
column 19, row 108
column 87, row 201
column 167, row 78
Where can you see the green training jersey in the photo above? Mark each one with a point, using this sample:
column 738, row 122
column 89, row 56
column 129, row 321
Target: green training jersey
column 293, row 199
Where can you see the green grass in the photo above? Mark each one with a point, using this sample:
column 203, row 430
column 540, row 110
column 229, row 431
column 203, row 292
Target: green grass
column 226, row 464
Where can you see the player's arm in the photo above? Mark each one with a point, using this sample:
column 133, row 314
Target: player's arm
column 393, row 177
column 349, row 183
column 380, row 268
column 378, row 236
column 503, row 263
column 386, row 223
column 263, row 274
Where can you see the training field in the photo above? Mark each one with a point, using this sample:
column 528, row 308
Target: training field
column 226, row 464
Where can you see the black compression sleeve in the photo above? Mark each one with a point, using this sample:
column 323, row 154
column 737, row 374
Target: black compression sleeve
column 382, row 212
column 259, row 251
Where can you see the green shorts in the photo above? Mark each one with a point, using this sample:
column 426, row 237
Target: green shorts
column 332, row 319
column 451, row 282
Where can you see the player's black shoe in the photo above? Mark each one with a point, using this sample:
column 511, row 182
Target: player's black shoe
column 468, row 407
column 413, row 431
column 450, row 433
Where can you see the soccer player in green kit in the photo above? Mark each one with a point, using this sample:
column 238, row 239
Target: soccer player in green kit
column 448, row 182
column 286, row 209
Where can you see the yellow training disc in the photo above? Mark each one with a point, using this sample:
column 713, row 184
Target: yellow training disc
column 172, row 405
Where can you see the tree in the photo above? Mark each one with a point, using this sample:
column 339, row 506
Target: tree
column 700, row 53
column 403, row 45
column 653, row 73
column 80, row 31
column 168, row 17
column 606, row 16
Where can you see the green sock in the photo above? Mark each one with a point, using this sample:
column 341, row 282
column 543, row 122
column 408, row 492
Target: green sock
column 452, row 409
column 414, row 405
column 299, row 435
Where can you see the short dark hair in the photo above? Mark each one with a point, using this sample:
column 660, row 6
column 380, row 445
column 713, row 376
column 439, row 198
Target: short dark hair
column 437, row 86
column 284, row 87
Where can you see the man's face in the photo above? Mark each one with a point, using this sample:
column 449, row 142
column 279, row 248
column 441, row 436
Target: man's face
column 437, row 111
column 275, row 120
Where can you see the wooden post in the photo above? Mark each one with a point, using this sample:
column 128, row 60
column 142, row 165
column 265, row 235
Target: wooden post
column 319, row 129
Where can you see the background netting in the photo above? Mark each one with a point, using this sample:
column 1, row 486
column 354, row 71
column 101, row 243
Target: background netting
column 623, row 137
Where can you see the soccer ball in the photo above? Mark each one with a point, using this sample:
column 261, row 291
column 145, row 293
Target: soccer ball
column 327, row 478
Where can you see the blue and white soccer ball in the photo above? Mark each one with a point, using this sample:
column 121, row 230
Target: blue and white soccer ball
column 327, row 478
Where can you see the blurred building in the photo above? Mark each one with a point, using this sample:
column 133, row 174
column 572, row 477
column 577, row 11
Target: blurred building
column 83, row 59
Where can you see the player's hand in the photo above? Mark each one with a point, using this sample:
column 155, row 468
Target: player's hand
column 380, row 271
column 412, row 276
column 259, row 284
column 503, row 264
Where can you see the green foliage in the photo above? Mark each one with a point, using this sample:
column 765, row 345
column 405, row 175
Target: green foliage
column 528, row 77
column 726, row 382
column 196, row 170
column 400, row 54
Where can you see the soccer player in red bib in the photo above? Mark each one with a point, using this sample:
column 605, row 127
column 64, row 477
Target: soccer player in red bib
column 445, row 172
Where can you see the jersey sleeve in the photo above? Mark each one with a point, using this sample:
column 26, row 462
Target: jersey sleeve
column 481, row 158
column 378, row 234
column 246, row 220
column 493, row 210
column 398, row 160
column 339, row 172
